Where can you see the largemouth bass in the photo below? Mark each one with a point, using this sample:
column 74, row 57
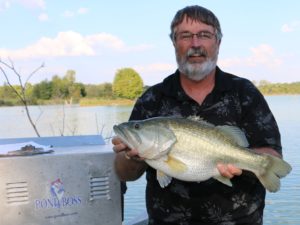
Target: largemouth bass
column 189, row 149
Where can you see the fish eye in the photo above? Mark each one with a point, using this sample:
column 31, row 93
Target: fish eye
column 137, row 126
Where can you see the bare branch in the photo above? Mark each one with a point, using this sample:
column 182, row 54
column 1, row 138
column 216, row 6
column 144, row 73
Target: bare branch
column 33, row 72
column 97, row 123
column 22, row 96
column 39, row 116
column 72, row 130
column 8, row 81
column 52, row 129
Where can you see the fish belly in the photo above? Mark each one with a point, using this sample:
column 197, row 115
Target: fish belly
column 197, row 166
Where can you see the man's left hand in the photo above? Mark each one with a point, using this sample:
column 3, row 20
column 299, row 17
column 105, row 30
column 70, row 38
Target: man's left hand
column 229, row 170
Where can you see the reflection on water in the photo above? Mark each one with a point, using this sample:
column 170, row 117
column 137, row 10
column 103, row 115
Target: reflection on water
column 281, row 208
column 61, row 120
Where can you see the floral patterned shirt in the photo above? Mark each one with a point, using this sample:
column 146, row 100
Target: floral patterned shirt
column 233, row 101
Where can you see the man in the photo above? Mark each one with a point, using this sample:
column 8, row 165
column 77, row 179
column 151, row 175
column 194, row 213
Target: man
column 200, row 88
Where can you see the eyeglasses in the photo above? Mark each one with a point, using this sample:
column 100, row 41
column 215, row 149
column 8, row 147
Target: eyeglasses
column 188, row 37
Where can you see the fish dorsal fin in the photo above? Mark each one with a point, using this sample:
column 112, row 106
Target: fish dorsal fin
column 232, row 132
column 195, row 118
column 200, row 120
column 235, row 134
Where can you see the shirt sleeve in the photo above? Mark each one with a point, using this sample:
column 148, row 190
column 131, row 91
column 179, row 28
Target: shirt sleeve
column 258, row 121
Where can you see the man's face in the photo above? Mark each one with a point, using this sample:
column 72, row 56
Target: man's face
column 196, row 49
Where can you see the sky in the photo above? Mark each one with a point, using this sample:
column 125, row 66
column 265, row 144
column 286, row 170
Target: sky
column 96, row 38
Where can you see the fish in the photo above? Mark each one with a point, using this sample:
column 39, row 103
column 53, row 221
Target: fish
column 189, row 149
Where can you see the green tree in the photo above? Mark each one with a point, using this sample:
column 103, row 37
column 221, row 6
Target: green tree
column 74, row 90
column 7, row 96
column 105, row 90
column 127, row 84
column 7, row 92
column 59, row 88
column 43, row 90
column 98, row 91
column 66, row 87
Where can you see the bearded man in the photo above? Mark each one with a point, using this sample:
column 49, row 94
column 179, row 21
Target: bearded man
column 200, row 88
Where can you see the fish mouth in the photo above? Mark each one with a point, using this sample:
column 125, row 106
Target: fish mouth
column 120, row 132
column 123, row 135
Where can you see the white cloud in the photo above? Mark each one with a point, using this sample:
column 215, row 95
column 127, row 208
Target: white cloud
column 229, row 62
column 80, row 11
column 286, row 28
column 262, row 55
column 6, row 4
column 290, row 27
column 108, row 41
column 155, row 67
column 71, row 43
column 43, row 17
column 32, row 3
column 68, row 14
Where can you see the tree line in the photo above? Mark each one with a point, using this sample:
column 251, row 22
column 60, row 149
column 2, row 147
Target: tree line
column 127, row 84
column 268, row 88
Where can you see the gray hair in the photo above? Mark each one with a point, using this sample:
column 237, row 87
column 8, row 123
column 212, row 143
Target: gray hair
column 196, row 13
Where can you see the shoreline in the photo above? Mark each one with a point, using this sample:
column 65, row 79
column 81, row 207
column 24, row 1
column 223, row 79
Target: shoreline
column 81, row 102
column 99, row 102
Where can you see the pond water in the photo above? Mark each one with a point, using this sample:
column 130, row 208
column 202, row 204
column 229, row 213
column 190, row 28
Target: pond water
column 281, row 208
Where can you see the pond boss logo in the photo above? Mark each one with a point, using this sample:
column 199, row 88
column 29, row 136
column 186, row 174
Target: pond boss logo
column 58, row 198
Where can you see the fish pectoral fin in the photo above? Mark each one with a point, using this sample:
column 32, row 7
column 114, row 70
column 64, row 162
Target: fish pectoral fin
column 176, row 164
column 163, row 179
column 224, row 180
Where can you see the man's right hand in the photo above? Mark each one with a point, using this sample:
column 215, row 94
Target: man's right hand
column 119, row 146
column 128, row 165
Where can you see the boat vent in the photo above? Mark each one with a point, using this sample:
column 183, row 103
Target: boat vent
column 17, row 193
column 99, row 187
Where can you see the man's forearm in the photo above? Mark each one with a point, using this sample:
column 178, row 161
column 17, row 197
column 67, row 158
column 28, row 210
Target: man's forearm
column 128, row 169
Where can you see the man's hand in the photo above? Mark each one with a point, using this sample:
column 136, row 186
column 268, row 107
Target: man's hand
column 128, row 165
column 119, row 146
column 229, row 170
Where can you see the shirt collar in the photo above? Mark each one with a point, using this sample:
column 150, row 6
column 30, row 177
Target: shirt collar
column 222, row 83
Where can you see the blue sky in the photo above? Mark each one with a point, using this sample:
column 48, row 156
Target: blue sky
column 96, row 38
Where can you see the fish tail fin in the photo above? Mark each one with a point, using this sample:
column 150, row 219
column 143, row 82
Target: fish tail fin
column 275, row 169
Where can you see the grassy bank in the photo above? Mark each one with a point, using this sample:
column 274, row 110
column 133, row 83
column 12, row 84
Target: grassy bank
column 81, row 102
column 106, row 102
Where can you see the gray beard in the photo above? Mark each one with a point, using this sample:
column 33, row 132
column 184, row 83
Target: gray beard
column 196, row 71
